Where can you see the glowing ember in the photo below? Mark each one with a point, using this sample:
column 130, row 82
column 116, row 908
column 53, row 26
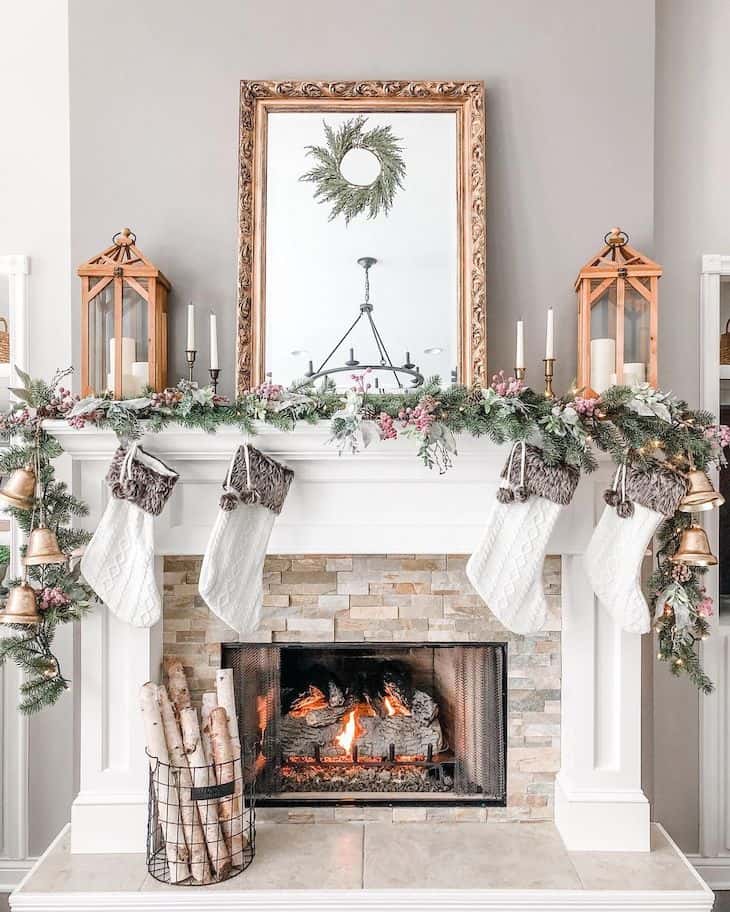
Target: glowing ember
column 314, row 699
column 262, row 713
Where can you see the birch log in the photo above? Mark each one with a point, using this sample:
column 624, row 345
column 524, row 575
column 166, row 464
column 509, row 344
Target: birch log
column 177, row 685
column 191, row 822
column 202, row 775
column 227, row 699
column 210, row 701
column 167, row 800
column 229, row 809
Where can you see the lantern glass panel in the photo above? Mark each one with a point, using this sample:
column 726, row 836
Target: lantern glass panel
column 603, row 338
column 101, row 334
column 636, row 336
column 135, row 359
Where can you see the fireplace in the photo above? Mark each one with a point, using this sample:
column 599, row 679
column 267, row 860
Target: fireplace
column 380, row 724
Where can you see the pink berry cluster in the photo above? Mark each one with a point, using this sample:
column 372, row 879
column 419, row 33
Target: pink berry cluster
column 422, row 416
column 719, row 434
column 387, row 426
column 704, row 608
column 586, row 407
column 681, row 573
column 507, row 386
column 361, row 386
column 271, row 392
column 62, row 401
column 53, row 597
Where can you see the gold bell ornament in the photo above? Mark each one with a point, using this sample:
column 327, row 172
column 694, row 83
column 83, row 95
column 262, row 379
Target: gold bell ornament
column 43, row 548
column 700, row 494
column 694, row 548
column 21, row 607
column 19, row 489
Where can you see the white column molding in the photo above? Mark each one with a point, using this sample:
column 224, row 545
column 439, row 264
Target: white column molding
column 14, row 851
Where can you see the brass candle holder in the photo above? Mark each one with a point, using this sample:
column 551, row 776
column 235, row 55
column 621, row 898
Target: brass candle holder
column 549, row 371
column 520, row 373
column 214, row 374
column 190, row 358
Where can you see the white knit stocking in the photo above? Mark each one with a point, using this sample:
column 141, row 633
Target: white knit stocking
column 613, row 561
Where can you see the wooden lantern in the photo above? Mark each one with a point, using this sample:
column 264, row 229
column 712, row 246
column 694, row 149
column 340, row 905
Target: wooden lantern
column 617, row 316
column 123, row 321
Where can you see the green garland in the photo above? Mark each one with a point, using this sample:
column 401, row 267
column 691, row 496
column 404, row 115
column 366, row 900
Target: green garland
column 636, row 425
column 332, row 187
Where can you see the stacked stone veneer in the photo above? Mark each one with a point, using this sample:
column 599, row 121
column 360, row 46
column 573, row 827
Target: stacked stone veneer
column 390, row 598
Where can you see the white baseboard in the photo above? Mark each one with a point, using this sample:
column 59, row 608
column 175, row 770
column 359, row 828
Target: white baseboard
column 714, row 871
column 12, row 871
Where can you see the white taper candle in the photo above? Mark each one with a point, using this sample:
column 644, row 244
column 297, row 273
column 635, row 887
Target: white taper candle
column 213, row 342
column 550, row 335
column 520, row 351
column 191, row 328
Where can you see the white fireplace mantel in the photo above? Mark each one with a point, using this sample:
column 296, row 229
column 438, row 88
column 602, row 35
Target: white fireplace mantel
column 380, row 500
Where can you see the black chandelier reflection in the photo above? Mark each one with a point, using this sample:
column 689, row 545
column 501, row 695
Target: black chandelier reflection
column 408, row 369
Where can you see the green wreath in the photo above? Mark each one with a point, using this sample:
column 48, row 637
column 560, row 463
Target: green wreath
column 350, row 199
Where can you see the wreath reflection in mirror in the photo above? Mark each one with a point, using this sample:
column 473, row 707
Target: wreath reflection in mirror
column 371, row 195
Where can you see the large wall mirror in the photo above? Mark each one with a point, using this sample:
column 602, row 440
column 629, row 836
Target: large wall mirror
column 362, row 234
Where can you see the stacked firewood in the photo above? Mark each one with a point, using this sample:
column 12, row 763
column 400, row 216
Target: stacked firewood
column 204, row 836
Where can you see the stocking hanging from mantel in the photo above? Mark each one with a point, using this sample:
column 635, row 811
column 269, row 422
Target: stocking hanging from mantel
column 636, row 504
column 231, row 578
column 119, row 561
column 506, row 567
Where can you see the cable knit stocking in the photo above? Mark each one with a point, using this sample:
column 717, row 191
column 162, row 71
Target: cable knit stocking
column 231, row 578
column 118, row 562
column 506, row 568
column 636, row 504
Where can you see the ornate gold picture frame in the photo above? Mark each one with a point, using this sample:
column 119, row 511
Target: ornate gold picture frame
column 258, row 99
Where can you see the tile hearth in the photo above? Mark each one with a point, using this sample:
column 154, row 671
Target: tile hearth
column 523, row 865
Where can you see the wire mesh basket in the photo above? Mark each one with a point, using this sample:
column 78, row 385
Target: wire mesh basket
column 201, row 821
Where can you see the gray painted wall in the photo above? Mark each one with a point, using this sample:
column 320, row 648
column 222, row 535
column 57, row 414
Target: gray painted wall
column 570, row 152
column 691, row 216
column 154, row 118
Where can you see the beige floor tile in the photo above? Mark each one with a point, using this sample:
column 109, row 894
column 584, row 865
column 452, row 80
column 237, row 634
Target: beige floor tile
column 467, row 856
column 660, row 869
column 297, row 856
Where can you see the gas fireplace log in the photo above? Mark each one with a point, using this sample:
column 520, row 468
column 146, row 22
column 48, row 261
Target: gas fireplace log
column 227, row 699
column 167, row 801
column 177, row 685
column 203, row 777
column 229, row 809
column 188, row 811
column 319, row 718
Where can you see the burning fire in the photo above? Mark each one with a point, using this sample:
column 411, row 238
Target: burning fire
column 394, row 706
column 351, row 730
column 314, row 699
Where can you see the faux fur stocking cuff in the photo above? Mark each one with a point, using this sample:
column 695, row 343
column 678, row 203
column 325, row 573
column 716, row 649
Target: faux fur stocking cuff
column 658, row 488
column 146, row 481
column 554, row 482
column 269, row 480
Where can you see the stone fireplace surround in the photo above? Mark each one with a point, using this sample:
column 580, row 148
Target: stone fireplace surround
column 379, row 502
column 389, row 599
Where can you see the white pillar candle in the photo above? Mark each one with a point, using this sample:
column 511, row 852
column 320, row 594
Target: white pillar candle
column 191, row 328
column 213, row 342
column 550, row 335
column 520, row 351
column 141, row 370
column 603, row 363
column 128, row 353
column 634, row 373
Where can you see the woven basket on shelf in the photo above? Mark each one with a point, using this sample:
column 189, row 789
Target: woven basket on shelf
column 4, row 342
column 725, row 345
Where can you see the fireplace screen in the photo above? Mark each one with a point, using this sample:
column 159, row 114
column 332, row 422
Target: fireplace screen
column 375, row 724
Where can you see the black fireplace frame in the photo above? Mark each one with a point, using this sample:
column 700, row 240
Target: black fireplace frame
column 413, row 799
